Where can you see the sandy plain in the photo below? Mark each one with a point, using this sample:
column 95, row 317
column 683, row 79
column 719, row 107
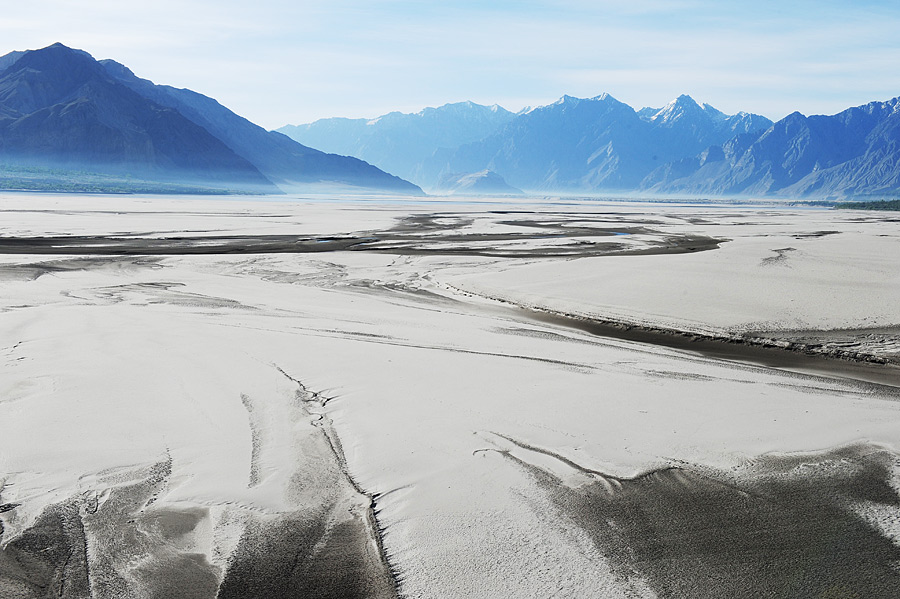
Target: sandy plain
column 377, row 398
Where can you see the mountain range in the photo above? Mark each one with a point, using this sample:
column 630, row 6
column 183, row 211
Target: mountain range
column 601, row 145
column 63, row 111
column 593, row 144
column 398, row 142
column 573, row 144
column 855, row 153
column 68, row 121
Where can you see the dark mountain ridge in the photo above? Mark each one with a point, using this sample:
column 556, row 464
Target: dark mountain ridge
column 61, row 109
column 281, row 159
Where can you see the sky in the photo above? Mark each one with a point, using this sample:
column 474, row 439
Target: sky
column 281, row 62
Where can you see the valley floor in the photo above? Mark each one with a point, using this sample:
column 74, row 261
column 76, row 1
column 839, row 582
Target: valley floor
column 377, row 398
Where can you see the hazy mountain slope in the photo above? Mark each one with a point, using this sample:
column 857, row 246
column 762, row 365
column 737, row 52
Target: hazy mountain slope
column 592, row 144
column 702, row 125
column 397, row 142
column 61, row 109
column 275, row 155
column 855, row 152
column 8, row 59
column 480, row 183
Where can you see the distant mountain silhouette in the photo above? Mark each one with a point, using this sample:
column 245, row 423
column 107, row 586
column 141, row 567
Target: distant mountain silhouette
column 61, row 109
column 7, row 60
column 685, row 148
column 480, row 183
column 854, row 153
column 595, row 144
column 278, row 157
column 399, row 143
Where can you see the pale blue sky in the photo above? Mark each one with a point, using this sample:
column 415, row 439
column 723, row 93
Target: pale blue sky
column 281, row 61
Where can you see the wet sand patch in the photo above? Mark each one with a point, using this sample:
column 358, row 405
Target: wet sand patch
column 172, row 246
column 489, row 245
column 450, row 234
column 34, row 270
column 49, row 559
column 780, row 257
column 305, row 555
column 162, row 292
column 779, row 526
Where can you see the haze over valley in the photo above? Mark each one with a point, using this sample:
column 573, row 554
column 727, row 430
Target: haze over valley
column 72, row 123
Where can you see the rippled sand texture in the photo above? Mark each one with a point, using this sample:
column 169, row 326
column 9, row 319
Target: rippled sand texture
column 312, row 397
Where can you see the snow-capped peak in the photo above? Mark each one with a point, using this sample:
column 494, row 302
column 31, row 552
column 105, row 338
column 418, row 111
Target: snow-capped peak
column 566, row 99
column 677, row 108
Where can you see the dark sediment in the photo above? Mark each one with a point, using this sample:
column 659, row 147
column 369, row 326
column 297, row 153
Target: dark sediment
column 553, row 235
column 49, row 559
column 883, row 371
column 329, row 546
column 33, row 270
column 489, row 245
column 306, row 555
column 85, row 548
column 777, row 528
column 177, row 246
column 122, row 543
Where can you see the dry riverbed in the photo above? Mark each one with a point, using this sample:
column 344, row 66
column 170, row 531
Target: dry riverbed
column 233, row 398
